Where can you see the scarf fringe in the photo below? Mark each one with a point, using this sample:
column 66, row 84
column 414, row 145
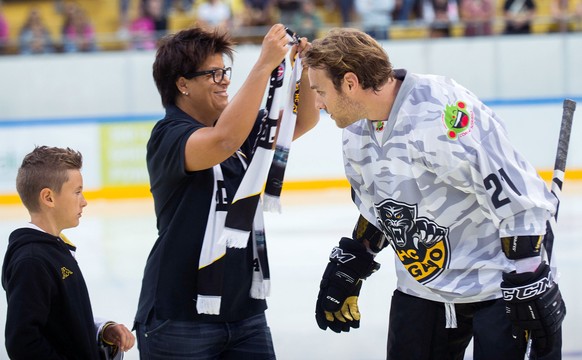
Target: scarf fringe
column 234, row 238
column 208, row 304
column 272, row 203
column 260, row 289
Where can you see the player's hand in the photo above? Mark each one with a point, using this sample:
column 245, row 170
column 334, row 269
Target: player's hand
column 534, row 304
column 337, row 302
column 337, row 306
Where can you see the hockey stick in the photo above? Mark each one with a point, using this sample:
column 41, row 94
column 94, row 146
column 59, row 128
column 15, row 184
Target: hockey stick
column 569, row 106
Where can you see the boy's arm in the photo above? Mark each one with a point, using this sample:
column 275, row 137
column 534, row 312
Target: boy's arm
column 28, row 292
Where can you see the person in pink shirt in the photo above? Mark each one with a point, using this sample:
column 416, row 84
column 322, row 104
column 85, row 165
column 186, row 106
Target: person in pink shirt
column 3, row 31
column 478, row 16
column 142, row 31
column 77, row 32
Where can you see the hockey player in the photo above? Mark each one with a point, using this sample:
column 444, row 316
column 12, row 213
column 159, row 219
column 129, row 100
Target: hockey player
column 434, row 176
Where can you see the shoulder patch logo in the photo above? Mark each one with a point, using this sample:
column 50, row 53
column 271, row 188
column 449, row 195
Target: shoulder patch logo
column 458, row 120
column 65, row 272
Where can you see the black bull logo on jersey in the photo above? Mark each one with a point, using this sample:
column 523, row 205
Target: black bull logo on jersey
column 421, row 244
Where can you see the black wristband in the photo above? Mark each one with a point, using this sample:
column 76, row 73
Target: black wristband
column 521, row 247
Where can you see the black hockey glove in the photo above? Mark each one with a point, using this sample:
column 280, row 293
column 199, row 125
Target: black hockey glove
column 337, row 302
column 534, row 304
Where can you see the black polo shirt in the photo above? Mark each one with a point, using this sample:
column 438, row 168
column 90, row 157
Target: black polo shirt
column 182, row 204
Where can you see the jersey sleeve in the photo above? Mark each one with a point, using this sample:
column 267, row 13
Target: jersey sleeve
column 484, row 162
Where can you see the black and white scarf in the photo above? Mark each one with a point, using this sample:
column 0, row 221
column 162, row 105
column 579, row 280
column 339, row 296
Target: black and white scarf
column 274, row 183
column 231, row 226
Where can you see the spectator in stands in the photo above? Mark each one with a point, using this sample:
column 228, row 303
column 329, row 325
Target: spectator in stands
column 34, row 36
column 307, row 22
column 4, row 31
column 519, row 15
column 178, row 6
column 249, row 16
column 560, row 15
column 287, row 10
column 440, row 15
column 406, row 10
column 124, row 11
column 565, row 14
column 257, row 13
column 157, row 12
column 214, row 13
column 142, row 31
column 578, row 15
column 77, row 32
column 477, row 16
column 375, row 17
column 346, row 10
column 124, row 20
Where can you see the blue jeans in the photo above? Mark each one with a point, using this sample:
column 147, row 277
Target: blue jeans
column 248, row 339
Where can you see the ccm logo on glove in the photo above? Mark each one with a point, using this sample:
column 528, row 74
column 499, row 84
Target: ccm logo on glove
column 528, row 291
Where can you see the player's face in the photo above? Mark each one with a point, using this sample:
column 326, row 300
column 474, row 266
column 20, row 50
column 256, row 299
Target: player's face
column 69, row 202
column 210, row 97
column 340, row 107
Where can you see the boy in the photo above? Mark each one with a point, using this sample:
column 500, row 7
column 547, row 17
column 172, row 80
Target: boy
column 49, row 311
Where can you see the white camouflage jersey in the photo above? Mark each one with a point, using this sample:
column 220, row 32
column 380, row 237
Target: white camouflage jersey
column 444, row 184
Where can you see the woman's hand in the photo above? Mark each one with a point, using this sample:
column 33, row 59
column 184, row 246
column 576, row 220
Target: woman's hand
column 274, row 47
column 301, row 48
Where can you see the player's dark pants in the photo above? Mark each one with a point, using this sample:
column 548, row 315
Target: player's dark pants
column 417, row 331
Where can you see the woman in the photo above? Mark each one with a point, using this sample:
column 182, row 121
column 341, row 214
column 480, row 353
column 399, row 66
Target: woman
column 201, row 130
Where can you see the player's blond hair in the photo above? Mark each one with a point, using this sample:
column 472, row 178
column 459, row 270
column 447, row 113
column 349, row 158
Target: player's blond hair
column 345, row 50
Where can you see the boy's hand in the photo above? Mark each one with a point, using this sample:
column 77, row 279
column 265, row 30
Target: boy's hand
column 120, row 336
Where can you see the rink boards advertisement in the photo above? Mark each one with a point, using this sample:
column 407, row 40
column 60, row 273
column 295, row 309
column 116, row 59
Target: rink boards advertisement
column 105, row 105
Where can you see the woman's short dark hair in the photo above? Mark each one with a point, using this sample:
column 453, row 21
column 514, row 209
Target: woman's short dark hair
column 184, row 52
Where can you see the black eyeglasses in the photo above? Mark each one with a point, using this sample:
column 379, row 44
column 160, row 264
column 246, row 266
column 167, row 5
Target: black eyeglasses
column 217, row 74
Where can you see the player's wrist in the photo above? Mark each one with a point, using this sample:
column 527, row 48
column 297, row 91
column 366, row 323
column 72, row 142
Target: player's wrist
column 530, row 264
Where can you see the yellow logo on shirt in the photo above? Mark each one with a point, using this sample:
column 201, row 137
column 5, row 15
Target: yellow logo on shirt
column 66, row 272
column 421, row 244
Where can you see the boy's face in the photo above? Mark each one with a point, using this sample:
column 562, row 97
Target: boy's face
column 69, row 202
